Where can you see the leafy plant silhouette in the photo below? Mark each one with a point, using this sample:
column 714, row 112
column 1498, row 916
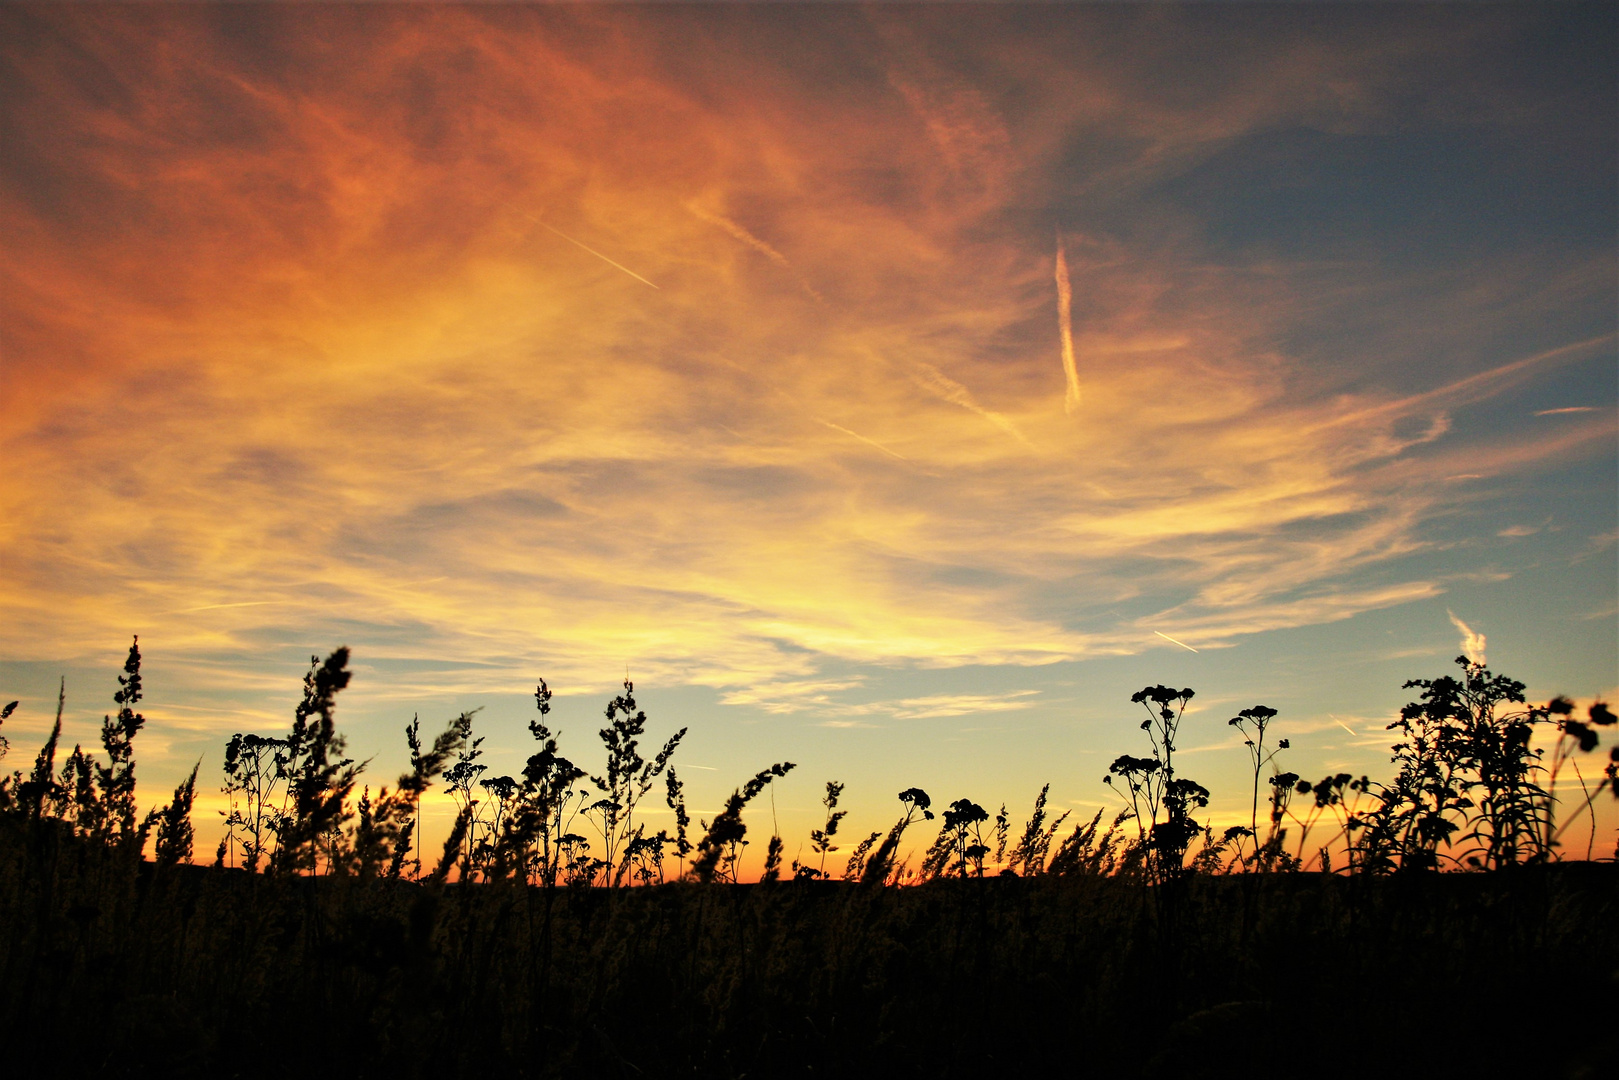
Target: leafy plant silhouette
column 960, row 846
column 720, row 850
column 627, row 779
column 1579, row 735
column 1466, row 771
column 309, row 923
column 1152, row 788
column 821, row 839
column 876, row 868
column 1252, row 723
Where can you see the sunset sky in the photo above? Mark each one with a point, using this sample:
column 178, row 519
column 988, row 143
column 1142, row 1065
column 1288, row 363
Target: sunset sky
column 892, row 390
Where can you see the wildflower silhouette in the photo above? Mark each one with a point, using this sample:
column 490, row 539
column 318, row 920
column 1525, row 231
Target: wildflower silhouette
column 318, row 905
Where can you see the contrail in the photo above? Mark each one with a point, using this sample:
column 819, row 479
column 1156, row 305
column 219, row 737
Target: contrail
column 1345, row 726
column 216, row 607
column 1182, row 644
column 1065, row 319
column 1474, row 387
column 936, row 381
column 739, row 232
column 592, row 250
column 862, row 438
column 752, row 241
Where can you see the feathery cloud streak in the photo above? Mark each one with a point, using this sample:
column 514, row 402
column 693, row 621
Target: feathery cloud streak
column 1473, row 643
column 1065, row 328
column 285, row 362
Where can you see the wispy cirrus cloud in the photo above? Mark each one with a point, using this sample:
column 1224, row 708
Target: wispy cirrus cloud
column 828, row 699
column 790, row 696
column 289, row 361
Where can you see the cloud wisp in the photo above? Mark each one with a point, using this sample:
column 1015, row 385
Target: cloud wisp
column 1065, row 328
column 311, row 378
column 1473, row 642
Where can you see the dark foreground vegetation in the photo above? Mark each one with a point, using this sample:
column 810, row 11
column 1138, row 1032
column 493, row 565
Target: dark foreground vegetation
column 555, row 935
column 187, row 971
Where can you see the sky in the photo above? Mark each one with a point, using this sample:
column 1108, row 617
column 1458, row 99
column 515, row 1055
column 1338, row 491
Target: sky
column 888, row 389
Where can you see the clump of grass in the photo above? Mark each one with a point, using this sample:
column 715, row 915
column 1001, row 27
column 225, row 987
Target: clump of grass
column 502, row 971
column 1085, row 854
column 1028, row 858
column 772, row 867
column 675, row 799
column 40, row 794
column 877, row 868
column 173, row 824
column 319, row 779
column 114, row 812
column 255, row 768
column 1470, row 791
column 289, row 796
column 720, row 851
column 959, row 848
column 541, row 828
column 855, row 869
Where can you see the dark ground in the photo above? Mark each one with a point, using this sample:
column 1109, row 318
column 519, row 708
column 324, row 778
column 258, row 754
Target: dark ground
column 114, row 970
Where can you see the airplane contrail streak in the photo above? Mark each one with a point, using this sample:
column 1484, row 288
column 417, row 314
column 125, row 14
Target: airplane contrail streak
column 592, row 250
column 216, row 607
column 752, row 241
column 862, row 438
column 948, row 389
column 1182, row 644
column 1065, row 321
column 1345, row 726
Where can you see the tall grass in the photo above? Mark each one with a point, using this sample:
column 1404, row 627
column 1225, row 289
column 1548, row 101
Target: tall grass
column 1471, row 790
column 1138, row 943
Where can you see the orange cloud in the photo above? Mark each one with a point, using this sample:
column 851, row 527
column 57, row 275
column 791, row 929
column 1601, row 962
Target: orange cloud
column 292, row 360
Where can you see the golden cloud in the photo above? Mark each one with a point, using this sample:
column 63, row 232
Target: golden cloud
column 348, row 334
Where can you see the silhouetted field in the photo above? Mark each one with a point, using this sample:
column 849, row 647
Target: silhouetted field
column 112, row 969
column 1151, row 946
